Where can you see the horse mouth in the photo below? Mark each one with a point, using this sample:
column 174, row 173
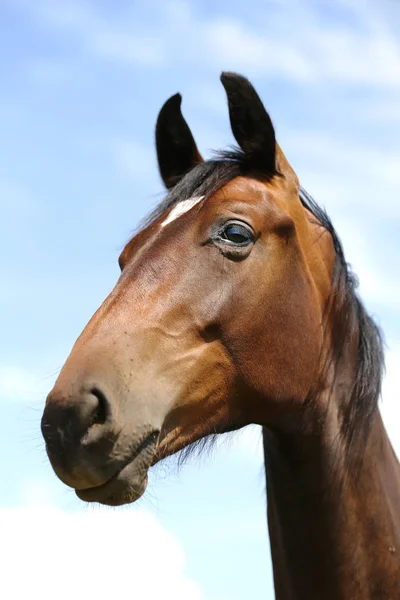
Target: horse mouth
column 129, row 483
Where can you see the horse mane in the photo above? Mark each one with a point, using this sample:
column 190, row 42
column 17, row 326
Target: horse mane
column 347, row 316
column 345, row 311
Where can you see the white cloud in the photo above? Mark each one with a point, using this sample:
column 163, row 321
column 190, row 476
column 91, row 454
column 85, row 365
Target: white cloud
column 362, row 49
column 390, row 406
column 355, row 166
column 376, row 285
column 105, row 554
column 294, row 42
column 291, row 41
column 238, row 47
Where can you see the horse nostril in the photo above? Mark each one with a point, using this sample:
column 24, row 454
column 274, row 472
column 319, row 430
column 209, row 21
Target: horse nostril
column 102, row 413
column 72, row 421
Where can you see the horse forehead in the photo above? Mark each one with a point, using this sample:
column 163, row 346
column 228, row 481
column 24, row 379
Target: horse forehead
column 270, row 201
column 251, row 190
column 243, row 188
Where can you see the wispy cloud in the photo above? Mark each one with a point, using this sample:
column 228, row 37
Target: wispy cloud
column 114, row 554
column 390, row 407
column 379, row 287
column 288, row 40
column 240, row 47
column 356, row 173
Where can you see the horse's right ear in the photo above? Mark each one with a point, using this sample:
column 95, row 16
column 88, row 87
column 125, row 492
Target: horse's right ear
column 177, row 152
column 250, row 122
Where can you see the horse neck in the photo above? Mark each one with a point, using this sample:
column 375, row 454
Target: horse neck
column 334, row 529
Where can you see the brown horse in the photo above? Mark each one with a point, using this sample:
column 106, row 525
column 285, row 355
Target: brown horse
column 235, row 306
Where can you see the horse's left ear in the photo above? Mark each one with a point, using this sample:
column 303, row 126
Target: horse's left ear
column 250, row 122
column 177, row 152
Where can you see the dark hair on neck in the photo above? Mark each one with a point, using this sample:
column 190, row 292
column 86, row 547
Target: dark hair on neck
column 347, row 317
column 345, row 314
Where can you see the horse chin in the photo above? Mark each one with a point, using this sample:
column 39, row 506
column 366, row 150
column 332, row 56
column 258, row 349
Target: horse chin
column 113, row 493
column 128, row 484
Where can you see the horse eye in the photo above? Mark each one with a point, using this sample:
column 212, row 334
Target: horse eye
column 234, row 233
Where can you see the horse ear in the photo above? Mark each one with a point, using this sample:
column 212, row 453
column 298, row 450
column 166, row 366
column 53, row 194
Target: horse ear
column 177, row 152
column 251, row 124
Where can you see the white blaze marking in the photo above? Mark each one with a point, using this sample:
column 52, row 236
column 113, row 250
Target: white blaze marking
column 181, row 208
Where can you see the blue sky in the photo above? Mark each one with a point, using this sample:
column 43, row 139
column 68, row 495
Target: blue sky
column 82, row 83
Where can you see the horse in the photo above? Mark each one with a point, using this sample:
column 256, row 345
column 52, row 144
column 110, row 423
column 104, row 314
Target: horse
column 235, row 306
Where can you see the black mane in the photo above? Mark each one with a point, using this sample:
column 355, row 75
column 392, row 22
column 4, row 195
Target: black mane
column 345, row 312
column 347, row 316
